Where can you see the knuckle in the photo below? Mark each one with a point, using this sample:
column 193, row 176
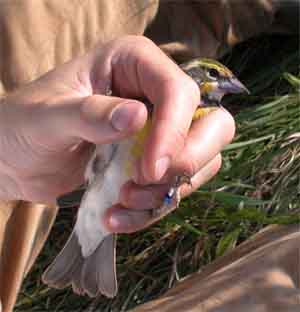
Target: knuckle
column 86, row 109
column 188, row 167
column 192, row 167
column 179, row 138
column 139, row 44
column 124, row 196
column 192, row 162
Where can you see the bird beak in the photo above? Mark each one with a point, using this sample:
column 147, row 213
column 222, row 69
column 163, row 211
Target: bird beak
column 233, row 85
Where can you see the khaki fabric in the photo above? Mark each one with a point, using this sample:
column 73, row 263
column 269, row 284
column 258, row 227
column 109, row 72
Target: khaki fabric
column 27, row 226
column 261, row 275
column 38, row 35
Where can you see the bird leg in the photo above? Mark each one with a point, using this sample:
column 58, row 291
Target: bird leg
column 172, row 198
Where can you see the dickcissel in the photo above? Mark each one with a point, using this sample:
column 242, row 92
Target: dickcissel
column 87, row 261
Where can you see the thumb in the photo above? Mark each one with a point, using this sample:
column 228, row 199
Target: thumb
column 102, row 119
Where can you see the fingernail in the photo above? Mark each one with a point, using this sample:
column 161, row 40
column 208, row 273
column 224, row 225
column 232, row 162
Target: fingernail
column 122, row 116
column 161, row 166
column 119, row 220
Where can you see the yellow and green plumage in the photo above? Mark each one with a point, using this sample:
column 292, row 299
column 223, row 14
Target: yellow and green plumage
column 137, row 147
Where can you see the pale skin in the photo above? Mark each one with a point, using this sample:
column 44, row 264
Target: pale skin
column 47, row 127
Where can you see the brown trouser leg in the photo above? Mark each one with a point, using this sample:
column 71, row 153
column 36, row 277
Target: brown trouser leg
column 24, row 228
column 261, row 275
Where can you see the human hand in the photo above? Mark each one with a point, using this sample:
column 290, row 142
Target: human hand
column 200, row 159
column 45, row 152
column 48, row 125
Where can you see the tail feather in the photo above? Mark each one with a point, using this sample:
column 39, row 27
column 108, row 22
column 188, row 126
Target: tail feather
column 60, row 273
column 104, row 278
column 76, row 281
column 92, row 275
column 107, row 278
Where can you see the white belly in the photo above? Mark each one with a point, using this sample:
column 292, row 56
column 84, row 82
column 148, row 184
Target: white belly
column 102, row 193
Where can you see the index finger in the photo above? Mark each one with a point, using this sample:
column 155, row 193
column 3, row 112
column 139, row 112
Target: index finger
column 143, row 70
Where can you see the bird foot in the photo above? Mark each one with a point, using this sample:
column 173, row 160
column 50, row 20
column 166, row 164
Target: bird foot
column 172, row 198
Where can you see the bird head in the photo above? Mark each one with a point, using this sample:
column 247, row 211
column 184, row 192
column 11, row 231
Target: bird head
column 214, row 80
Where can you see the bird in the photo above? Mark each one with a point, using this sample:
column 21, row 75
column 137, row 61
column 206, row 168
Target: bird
column 87, row 262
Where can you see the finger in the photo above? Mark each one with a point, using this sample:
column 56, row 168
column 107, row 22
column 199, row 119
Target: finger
column 135, row 196
column 203, row 176
column 98, row 119
column 206, row 139
column 171, row 123
column 106, row 119
column 140, row 179
column 122, row 220
column 149, row 73
column 141, row 200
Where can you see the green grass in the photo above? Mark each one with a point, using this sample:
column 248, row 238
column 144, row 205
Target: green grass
column 258, row 185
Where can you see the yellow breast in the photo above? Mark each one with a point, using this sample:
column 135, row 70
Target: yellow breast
column 137, row 147
column 202, row 111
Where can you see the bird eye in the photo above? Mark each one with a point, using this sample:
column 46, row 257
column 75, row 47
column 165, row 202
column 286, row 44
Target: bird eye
column 213, row 74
